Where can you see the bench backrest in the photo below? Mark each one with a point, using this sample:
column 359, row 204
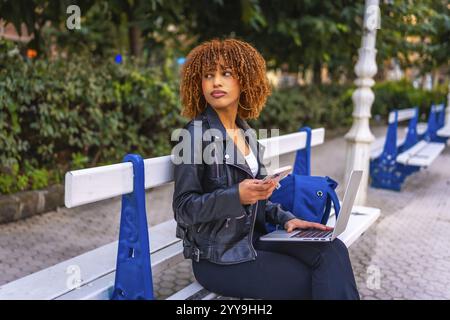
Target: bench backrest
column 436, row 120
column 439, row 111
column 99, row 183
column 391, row 147
column 402, row 115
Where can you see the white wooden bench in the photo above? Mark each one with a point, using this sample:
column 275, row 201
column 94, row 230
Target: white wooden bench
column 98, row 266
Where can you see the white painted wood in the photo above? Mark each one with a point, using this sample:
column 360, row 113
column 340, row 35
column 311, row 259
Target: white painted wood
column 422, row 154
column 422, row 127
column 95, row 184
column 102, row 288
column 403, row 114
column 438, row 108
column 444, row 132
column 51, row 282
column 290, row 142
column 360, row 137
column 360, row 220
column 99, row 289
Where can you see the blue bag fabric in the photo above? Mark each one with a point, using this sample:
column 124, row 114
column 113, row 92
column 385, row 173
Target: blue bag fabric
column 308, row 197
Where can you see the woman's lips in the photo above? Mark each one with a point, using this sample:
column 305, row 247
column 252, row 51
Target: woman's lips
column 218, row 94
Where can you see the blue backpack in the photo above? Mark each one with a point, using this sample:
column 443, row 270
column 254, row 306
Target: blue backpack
column 308, row 197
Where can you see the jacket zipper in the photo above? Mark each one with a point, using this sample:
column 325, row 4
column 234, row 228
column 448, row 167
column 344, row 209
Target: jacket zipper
column 200, row 228
column 252, row 227
column 255, row 211
column 217, row 161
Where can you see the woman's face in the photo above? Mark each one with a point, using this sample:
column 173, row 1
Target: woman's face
column 221, row 87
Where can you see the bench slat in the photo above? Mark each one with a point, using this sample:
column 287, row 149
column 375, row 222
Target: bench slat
column 444, row 132
column 95, row 184
column 100, row 183
column 403, row 114
column 422, row 128
column 102, row 288
column 290, row 142
column 50, row 283
column 422, row 154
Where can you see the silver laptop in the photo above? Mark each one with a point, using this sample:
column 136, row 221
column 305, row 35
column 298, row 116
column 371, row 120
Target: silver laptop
column 319, row 235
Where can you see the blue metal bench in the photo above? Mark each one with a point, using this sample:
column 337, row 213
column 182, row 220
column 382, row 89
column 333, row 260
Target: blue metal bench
column 392, row 163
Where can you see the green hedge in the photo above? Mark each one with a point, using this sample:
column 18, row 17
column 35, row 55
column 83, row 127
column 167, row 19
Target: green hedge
column 391, row 95
column 62, row 115
column 290, row 109
column 67, row 114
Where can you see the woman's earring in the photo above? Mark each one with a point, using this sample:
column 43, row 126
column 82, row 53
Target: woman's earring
column 240, row 105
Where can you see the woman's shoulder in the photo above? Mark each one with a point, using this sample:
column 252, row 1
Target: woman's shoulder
column 199, row 121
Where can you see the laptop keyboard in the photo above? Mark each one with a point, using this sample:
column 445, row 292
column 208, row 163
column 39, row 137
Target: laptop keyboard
column 312, row 234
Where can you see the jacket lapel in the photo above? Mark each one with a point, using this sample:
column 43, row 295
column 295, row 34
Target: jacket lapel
column 232, row 155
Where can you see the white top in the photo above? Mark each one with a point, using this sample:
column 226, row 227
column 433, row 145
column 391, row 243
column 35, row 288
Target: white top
column 252, row 162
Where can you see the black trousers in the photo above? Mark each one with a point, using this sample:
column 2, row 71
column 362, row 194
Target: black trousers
column 284, row 270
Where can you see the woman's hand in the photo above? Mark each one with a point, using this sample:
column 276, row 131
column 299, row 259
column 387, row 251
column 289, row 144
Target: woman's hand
column 301, row 224
column 252, row 190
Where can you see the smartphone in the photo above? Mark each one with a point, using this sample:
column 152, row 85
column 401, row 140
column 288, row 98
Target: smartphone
column 278, row 175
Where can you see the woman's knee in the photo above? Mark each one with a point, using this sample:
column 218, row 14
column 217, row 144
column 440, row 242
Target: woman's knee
column 340, row 249
column 331, row 252
column 339, row 245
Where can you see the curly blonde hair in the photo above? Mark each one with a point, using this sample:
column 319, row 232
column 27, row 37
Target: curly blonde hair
column 247, row 65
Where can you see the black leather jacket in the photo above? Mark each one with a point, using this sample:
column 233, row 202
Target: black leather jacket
column 212, row 222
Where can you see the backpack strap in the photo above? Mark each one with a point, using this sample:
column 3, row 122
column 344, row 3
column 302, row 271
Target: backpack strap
column 332, row 198
column 335, row 200
column 302, row 164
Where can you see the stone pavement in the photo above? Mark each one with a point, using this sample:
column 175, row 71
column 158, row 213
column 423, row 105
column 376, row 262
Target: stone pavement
column 404, row 255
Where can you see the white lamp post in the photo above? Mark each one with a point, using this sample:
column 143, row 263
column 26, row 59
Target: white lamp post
column 359, row 138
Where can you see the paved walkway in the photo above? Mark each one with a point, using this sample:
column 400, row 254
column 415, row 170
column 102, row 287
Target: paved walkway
column 404, row 255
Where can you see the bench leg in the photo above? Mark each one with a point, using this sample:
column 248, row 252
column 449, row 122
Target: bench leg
column 385, row 174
